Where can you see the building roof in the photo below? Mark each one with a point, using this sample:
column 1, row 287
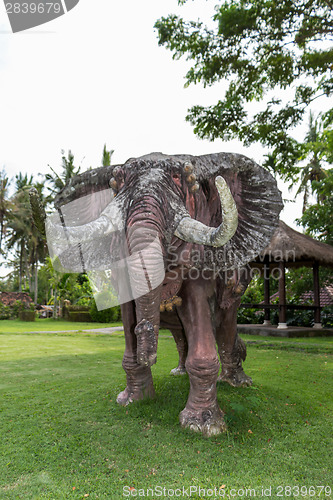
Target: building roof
column 296, row 249
column 326, row 296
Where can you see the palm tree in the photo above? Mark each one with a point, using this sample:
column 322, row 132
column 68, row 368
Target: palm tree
column 58, row 181
column 23, row 236
column 5, row 204
column 106, row 158
column 37, row 249
column 19, row 223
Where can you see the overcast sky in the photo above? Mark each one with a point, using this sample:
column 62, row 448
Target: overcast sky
column 97, row 75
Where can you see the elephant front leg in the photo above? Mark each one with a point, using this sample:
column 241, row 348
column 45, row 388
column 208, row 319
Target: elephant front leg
column 181, row 343
column 202, row 412
column 139, row 378
column 232, row 349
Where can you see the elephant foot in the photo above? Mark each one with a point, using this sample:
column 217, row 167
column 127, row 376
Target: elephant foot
column 235, row 378
column 180, row 370
column 146, row 343
column 127, row 396
column 209, row 422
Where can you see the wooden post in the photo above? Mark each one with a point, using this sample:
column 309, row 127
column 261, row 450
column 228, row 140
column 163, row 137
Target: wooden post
column 282, row 297
column 316, row 295
column 267, row 317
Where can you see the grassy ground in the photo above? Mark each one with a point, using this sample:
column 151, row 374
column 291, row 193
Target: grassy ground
column 63, row 436
column 47, row 324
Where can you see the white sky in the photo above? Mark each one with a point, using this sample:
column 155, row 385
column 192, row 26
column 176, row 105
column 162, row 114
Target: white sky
column 97, row 75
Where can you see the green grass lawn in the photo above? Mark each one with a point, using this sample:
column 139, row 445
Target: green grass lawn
column 63, row 436
column 48, row 324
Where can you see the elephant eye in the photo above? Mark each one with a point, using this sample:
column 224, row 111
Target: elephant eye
column 176, row 177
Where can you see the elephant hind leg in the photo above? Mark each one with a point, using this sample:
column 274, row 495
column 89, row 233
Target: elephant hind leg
column 232, row 369
column 182, row 348
column 232, row 349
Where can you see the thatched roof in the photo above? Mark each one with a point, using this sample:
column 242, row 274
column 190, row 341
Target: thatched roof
column 296, row 249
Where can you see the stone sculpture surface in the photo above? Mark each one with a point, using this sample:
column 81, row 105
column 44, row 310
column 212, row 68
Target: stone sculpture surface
column 174, row 235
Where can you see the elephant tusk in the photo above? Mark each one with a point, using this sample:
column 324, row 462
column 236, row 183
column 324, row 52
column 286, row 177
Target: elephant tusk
column 109, row 221
column 193, row 231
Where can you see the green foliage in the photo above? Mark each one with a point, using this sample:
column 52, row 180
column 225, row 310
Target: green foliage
column 5, row 204
column 298, row 282
column 27, row 315
column 254, row 294
column 68, row 170
column 318, row 218
column 106, row 158
column 5, row 312
column 79, row 316
column 14, row 311
column 327, row 317
column 109, row 315
column 20, row 306
column 261, row 48
column 248, row 316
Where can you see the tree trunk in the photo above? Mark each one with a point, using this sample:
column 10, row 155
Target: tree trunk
column 55, row 308
column 21, row 266
column 36, row 283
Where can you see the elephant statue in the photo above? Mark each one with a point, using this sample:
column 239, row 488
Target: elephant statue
column 187, row 228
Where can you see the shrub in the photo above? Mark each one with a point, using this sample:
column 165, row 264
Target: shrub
column 76, row 313
column 300, row 318
column 27, row 315
column 248, row 316
column 106, row 315
column 327, row 317
column 83, row 316
column 20, row 306
column 16, row 308
column 5, row 312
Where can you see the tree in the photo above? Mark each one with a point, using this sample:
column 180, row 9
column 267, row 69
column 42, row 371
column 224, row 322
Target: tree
column 23, row 236
column 106, row 158
column 5, row 204
column 313, row 172
column 58, row 181
column 262, row 49
column 318, row 218
column 19, row 223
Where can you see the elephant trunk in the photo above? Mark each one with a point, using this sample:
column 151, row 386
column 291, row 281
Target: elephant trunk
column 145, row 225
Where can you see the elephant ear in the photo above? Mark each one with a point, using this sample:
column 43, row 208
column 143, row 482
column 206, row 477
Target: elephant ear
column 258, row 201
column 81, row 201
column 92, row 188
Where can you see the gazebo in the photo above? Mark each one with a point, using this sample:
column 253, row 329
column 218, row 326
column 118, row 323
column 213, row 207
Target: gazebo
column 289, row 248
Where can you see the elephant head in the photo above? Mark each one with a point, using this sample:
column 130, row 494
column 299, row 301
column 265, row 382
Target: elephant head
column 155, row 212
